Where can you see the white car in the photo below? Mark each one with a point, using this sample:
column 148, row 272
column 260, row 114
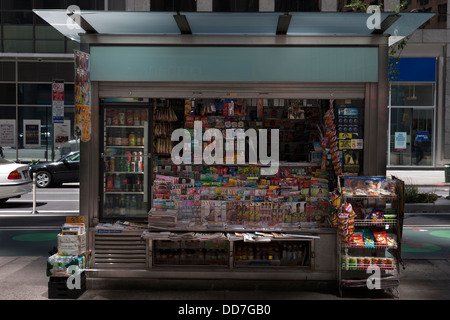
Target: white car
column 15, row 180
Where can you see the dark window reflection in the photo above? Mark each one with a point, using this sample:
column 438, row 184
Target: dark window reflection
column 296, row 5
column 235, row 5
column 173, row 5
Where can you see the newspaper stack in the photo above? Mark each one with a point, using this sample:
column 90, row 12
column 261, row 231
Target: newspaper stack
column 162, row 218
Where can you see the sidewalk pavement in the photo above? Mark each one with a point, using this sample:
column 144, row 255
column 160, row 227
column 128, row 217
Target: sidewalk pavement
column 24, row 278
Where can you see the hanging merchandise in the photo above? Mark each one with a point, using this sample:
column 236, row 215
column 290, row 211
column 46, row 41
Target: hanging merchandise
column 330, row 140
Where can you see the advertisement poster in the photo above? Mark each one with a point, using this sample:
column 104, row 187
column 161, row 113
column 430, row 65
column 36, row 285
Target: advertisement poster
column 7, row 130
column 400, row 141
column 82, row 96
column 422, row 136
column 62, row 134
column 31, row 133
column 58, row 101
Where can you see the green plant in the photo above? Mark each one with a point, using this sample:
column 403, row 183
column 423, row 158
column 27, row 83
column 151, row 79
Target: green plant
column 412, row 195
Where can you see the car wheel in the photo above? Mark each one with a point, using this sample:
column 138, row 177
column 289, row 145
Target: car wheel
column 43, row 179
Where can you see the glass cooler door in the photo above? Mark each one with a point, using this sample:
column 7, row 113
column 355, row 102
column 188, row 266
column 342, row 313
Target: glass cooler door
column 125, row 177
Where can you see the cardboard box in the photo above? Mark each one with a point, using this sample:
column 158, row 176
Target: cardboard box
column 71, row 244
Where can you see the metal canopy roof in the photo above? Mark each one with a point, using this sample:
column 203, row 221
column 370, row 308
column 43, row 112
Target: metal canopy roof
column 72, row 25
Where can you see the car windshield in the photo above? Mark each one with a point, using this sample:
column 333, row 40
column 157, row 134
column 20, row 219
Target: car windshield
column 4, row 161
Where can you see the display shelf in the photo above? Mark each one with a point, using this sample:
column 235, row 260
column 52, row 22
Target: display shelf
column 383, row 235
column 124, row 127
column 122, row 147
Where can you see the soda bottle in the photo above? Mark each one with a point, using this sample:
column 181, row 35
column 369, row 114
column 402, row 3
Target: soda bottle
column 143, row 116
column 117, row 182
column 138, row 139
column 137, row 117
column 129, row 117
column 110, row 183
column 131, row 139
column 122, row 208
column 124, row 183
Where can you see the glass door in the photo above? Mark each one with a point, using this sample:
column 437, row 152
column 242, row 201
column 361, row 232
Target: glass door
column 126, row 159
column 411, row 137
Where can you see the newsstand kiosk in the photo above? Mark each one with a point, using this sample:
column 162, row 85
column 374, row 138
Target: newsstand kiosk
column 310, row 89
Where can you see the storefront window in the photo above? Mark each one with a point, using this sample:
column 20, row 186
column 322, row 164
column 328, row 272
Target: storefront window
column 412, row 94
column 8, row 129
column 411, row 137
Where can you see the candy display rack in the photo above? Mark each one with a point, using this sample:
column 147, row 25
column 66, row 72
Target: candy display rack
column 369, row 250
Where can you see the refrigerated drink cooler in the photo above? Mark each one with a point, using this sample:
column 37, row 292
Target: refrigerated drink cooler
column 126, row 157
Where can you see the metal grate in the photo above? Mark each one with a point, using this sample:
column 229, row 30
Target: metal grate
column 119, row 250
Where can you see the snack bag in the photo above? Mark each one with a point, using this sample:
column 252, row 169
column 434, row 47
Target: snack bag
column 380, row 238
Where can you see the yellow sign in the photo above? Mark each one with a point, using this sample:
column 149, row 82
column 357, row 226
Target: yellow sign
column 345, row 135
column 345, row 144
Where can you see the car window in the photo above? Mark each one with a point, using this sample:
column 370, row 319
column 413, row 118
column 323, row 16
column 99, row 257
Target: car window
column 73, row 157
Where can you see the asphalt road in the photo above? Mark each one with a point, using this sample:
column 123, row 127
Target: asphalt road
column 52, row 206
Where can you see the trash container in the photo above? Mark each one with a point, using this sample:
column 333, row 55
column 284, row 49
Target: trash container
column 447, row 173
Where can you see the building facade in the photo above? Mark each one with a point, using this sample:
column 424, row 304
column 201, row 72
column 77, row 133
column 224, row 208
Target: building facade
column 33, row 55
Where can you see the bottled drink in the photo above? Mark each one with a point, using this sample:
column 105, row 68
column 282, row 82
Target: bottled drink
column 121, row 117
column 110, row 183
column 137, row 117
column 124, row 183
column 122, row 208
column 108, row 117
column 138, row 139
column 117, row 182
column 132, row 139
column 115, row 117
column 143, row 116
column 129, row 118
column 112, row 164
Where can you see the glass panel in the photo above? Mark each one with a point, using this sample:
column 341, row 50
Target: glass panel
column 35, row 94
column 69, row 115
column 296, row 5
column 50, row 46
column 330, row 23
column 17, row 5
column 243, row 23
column 7, row 93
column 18, row 18
column 412, row 94
column 42, row 151
column 7, row 71
column 125, row 166
column 175, row 5
column 48, row 32
column 19, row 46
column 133, row 22
column 83, row 4
column 18, row 32
column 45, row 71
column 118, row 5
column 235, row 5
column 9, row 113
column 411, row 140
column 50, row 4
column 61, row 22
column 72, row 45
